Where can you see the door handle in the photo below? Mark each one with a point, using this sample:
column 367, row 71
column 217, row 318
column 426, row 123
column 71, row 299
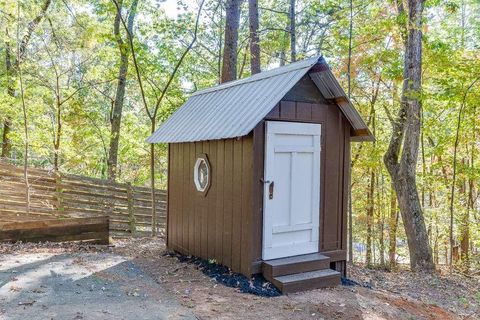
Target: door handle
column 270, row 190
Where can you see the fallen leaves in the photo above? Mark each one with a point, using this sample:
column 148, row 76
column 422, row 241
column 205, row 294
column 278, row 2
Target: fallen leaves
column 450, row 291
column 133, row 293
column 15, row 288
column 402, row 293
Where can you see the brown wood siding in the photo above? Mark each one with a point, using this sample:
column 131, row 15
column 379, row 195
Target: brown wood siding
column 335, row 171
column 305, row 91
column 219, row 225
column 346, row 183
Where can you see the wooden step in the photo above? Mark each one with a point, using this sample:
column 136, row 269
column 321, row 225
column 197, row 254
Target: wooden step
column 307, row 280
column 296, row 264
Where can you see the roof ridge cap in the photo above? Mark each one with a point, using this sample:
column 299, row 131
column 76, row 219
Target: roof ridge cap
column 237, row 82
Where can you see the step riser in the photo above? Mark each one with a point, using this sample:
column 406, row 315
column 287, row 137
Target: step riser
column 322, row 282
column 301, row 273
column 269, row 272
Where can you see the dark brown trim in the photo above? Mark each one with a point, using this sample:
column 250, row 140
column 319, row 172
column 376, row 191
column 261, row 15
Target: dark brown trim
column 319, row 67
column 168, row 194
column 257, row 201
column 340, row 99
column 346, row 185
column 361, row 132
column 256, row 267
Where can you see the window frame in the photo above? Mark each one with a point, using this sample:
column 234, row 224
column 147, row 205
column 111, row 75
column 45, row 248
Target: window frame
column 202, row 157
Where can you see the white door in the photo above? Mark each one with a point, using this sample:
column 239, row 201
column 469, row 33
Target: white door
column 291, row 189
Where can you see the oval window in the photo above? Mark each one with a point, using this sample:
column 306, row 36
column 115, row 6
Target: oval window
column 201, row 173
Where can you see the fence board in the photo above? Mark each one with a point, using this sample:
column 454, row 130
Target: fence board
column 73, row 229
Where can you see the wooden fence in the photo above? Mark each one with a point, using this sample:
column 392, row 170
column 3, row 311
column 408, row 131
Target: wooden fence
column 71, row 196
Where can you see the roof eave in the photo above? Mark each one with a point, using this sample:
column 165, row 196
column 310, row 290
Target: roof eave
column 362, row 135
column 328, row 85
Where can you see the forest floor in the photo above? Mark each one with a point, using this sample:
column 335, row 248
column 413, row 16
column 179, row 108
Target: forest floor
column 134, row 280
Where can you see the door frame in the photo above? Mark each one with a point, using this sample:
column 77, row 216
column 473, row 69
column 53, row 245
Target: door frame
column 302, row 128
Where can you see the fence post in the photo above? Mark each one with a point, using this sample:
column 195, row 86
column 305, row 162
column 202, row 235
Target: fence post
column 131, row 215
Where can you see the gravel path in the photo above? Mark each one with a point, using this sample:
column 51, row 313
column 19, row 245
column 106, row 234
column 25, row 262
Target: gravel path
column 81, row 285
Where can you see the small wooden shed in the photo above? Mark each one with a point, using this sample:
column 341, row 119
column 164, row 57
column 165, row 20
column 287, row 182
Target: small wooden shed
column 258, row 175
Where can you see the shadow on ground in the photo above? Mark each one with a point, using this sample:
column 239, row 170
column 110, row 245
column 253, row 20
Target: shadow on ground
column 81, row 286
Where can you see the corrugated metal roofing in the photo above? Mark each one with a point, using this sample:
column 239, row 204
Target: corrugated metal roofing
column 233, row 109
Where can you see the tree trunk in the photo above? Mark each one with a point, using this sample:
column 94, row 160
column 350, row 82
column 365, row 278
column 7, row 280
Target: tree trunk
column 152, row 181
column 116, row 114
column 424, row 163
column 283, row 53
column 465, row 234
column 350, row 38
column 371, row 193
column 221, row 29
column 433, row 204
column 282, row 58
column 370, row 211
column 12, row 70
column 406, row 136
column 293, row 36
column 26, row 143
column 454, row 175
column 349, row 92
column 446, row 251
column 393, row 224
column 465, row 238
column 7, row 124
column 465, row 243
column 381, row 222
column 436, row 246
column 232, row 19
column 6, row 143
column 254, row 39
column 57, row 134
column 153, row 115
column 244, row 61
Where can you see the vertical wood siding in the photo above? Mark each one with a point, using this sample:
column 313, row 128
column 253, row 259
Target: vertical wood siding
column 335, row 172
column 219, row 225
column 227, row 224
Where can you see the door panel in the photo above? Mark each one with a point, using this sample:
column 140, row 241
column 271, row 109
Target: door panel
column 292, row 189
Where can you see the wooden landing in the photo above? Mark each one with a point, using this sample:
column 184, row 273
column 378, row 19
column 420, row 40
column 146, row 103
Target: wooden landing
column 300, row 273
column 92, row 230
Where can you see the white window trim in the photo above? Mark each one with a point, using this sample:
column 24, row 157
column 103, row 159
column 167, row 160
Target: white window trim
column 196, row 177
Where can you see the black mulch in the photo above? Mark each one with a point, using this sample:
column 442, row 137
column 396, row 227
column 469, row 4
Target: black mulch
column 257, row 285
column 350, row 282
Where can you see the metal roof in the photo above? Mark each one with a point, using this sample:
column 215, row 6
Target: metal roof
column 234, row 108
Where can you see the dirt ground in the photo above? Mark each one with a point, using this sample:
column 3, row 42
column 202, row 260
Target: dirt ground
column 133, row 280
column 77, row 282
